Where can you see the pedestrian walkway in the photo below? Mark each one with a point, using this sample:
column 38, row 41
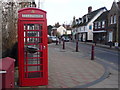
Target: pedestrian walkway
column 70, row 69
column 102, row 45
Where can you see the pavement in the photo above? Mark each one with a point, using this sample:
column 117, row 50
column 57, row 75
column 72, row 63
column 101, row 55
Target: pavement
column 103, row 46
column 70, row 69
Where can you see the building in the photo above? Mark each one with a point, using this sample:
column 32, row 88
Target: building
column 99, row 28
column 61, row 30
column 113, row 24
column 83, row 30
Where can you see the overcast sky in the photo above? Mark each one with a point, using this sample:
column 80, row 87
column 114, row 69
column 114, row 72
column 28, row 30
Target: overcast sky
column 62, row 11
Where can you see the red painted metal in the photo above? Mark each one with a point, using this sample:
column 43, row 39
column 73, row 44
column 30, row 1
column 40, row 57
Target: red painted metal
column 32, row 47
column 8, row 72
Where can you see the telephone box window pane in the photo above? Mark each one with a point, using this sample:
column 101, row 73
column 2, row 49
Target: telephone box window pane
column 32, row 26
column 35, row 61
column 32, row 55
column 34, row 75
column 34, row 68
column 34, row 34
column 31, row 40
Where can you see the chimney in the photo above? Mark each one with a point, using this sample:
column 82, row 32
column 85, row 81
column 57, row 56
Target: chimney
column 89, row 9
column 118, row 3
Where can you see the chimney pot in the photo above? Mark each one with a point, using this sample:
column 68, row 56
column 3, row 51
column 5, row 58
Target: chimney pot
column 89, row 9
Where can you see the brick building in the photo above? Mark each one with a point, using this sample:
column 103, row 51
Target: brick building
column 113, row 23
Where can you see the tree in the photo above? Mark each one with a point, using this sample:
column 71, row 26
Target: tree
column 9, row 25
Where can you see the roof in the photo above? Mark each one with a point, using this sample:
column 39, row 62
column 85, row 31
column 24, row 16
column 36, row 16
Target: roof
column 31, row 8
column 102, row 17
column 90, row 16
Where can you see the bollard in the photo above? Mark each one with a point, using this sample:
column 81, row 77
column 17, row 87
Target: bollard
column 110, row 44
column 77, row 46
column 59, row 41
column 92, row 53
column 56, row 42
column 63, row 44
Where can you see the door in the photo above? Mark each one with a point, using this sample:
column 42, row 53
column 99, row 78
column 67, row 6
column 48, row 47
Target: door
column 34, row 54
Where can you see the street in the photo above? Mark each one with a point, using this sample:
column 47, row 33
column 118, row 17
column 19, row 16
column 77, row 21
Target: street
column 109, row 57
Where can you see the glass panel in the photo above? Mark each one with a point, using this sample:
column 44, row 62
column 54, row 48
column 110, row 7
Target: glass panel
column 35, row 61
column 32, row 40
column 34, row 33
column 32, row 55
column 34, row 75
column 32, row 26
column 33, row 68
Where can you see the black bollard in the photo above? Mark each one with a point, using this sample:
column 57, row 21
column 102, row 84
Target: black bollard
column 59, row 41
column 92, row 53
column 110, row 44
column 56, row 42
column 63, row 44
column 77, row 46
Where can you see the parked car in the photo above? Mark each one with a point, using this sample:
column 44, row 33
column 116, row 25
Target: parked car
column 66, row 39
column 54, row 38
column 49, row 40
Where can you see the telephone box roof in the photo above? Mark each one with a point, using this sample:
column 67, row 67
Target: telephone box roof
column 23, row 9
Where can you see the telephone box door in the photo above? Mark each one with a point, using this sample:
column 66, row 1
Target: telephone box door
column 34, row 54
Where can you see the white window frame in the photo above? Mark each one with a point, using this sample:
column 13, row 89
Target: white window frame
column 103, row 24
column 115, row 19
column 96, row 25
column 99, row 24
column 111, row 19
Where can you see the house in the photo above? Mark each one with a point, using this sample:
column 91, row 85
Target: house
column 83, row 30
column 99, row 28
column 58, row 31
column 113, row 24
column 68, row 31
column 61, row 30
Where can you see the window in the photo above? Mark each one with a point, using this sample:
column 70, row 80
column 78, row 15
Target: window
column 103, row 24
column 99, row 24
column 111, row 20
column 114, row 19
column 110, row 36
column 95, row 25
column 90, row 27
column 84, row 28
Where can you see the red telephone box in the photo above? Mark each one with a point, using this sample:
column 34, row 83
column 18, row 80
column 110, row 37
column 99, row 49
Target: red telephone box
column 32, row 47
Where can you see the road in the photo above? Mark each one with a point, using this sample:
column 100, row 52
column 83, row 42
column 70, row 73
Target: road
column 107, row 56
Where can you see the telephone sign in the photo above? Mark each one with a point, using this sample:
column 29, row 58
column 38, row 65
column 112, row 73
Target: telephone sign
column 32, row 47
